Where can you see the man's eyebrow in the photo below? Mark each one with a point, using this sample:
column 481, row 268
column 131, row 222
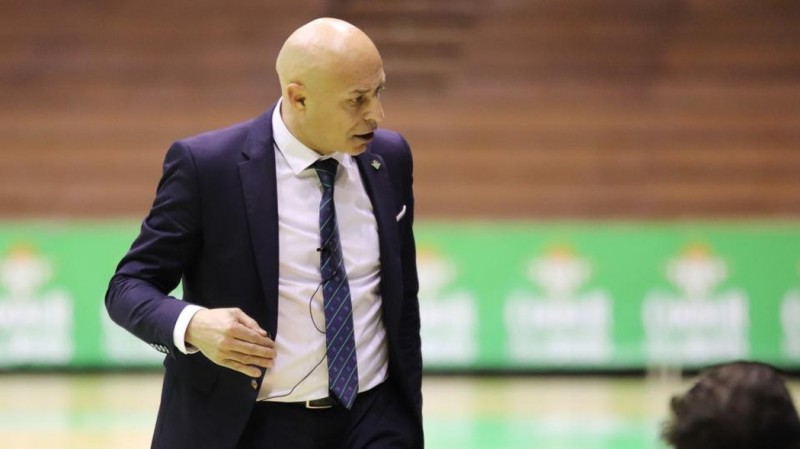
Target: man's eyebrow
column 366, row 90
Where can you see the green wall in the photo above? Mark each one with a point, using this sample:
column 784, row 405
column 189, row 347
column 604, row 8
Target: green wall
column 584, row 295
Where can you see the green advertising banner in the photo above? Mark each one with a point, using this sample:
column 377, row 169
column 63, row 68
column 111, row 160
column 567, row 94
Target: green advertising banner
column 519, row 296
column 53, row 278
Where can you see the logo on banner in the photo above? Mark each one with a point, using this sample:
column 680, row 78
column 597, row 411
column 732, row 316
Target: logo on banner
column 35, row 321
column 790, row 322
column 695, row 323
column 449, row 318
column 559, row 321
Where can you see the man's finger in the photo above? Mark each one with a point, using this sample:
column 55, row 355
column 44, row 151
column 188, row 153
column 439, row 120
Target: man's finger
column 248, row 370
column 263, row 362
column 251, row 349
column 247, row 334
column 248, row 322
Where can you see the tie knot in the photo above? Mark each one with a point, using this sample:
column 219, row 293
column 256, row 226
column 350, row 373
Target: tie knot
column 326, row 170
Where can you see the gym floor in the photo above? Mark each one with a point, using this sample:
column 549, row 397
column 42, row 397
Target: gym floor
column 89, row 411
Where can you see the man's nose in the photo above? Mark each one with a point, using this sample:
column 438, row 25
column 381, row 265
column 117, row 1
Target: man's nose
column 375, row 111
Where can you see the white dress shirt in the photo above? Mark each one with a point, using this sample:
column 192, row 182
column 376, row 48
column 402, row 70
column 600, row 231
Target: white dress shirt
column 300, row 372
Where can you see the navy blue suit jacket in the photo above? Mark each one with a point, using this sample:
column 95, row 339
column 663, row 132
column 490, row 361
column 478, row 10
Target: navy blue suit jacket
column 214, row 224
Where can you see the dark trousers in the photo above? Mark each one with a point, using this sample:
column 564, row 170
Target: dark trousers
column 378, row 420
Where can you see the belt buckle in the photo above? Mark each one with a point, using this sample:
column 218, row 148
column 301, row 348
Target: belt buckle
column 319, row 404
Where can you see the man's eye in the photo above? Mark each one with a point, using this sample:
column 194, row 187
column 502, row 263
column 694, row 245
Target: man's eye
column 357, row 100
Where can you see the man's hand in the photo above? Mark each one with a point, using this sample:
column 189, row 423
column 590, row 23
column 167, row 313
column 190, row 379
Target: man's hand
column 230, row 338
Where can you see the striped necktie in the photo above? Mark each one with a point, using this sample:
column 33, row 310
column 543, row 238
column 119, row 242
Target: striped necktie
column 340, row 340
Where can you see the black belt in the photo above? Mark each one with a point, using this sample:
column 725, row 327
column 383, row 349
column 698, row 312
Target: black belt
column 314, row 404
column 317, row 404
column 324, row 403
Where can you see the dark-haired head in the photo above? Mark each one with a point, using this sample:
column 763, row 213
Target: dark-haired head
column 737, row 405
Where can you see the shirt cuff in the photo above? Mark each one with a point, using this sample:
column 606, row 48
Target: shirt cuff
column 179, row 331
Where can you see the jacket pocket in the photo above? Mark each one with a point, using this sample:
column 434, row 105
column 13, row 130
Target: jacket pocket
column 195, row 370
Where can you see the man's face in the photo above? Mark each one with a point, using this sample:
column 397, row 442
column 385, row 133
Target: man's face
column 343, row 109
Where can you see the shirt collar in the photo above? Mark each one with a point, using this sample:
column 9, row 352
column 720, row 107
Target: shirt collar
column 297, row 155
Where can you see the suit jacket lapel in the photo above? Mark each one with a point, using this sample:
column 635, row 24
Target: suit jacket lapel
column 379, row 189
column 259, row 187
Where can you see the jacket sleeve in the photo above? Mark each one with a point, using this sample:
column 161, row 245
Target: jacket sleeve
column 169, row 240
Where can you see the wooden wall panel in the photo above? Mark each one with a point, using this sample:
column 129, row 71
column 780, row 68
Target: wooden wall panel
column 515, row 109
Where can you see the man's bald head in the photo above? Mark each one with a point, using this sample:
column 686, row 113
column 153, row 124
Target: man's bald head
column 322, row 47
column 331, row 77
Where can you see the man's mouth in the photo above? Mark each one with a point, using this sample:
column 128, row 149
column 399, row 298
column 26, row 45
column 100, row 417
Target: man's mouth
column 367, row 136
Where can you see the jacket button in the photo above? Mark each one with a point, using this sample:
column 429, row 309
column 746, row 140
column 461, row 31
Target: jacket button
column 254, row 384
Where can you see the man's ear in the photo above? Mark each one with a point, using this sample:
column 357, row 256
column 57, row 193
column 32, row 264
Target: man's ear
column 296, row 96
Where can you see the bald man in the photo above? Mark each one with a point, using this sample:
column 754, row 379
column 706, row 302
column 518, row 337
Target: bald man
column 292, row 234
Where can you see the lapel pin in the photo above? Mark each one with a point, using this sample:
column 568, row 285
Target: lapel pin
column 375, row 164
